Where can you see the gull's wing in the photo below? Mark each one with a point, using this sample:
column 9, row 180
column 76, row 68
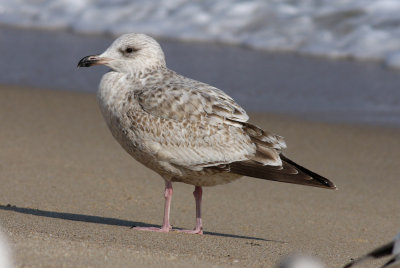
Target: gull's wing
column 188, row 143
column 202, row 125
column 288, row 171
column 183, row 98
column 203, row 128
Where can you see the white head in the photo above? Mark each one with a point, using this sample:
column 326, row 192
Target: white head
column 130, row 53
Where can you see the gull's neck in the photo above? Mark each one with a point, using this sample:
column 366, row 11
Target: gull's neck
column 115, row 85
column 145, row 73
column 145, row 64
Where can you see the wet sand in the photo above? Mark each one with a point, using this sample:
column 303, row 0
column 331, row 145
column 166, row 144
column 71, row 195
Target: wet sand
column 69, row 194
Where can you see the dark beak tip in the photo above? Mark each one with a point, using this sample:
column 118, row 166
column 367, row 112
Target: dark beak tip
column 87, row 61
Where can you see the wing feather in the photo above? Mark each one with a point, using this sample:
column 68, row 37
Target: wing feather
column 289, row 172
column 212, row 124
column 183, row 98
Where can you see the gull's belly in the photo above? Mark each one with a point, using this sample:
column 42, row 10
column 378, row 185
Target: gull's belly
column 128, row 139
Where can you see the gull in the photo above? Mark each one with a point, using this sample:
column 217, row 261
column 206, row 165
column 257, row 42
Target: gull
column 185, row 130
column 392, row 248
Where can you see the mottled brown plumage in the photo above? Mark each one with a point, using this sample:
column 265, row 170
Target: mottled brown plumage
column 185, row 130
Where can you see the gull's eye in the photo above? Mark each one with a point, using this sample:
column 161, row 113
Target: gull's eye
column 128, row 51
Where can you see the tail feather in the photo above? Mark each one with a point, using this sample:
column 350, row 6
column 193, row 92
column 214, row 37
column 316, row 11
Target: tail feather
column 289, row 172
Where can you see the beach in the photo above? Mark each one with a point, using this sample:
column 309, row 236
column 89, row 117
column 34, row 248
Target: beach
column 70, row 194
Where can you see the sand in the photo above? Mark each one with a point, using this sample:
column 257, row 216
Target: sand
column 69, row 194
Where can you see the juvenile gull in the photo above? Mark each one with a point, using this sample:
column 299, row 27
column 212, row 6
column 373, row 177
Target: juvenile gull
column 185, row 130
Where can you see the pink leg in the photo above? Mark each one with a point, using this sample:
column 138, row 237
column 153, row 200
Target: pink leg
column 198, row 192
column 166, row 227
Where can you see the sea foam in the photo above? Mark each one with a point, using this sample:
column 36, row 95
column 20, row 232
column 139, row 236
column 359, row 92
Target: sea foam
column 358, row 29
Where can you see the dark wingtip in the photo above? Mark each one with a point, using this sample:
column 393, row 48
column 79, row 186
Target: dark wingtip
column 332, row 186
column 322, row 182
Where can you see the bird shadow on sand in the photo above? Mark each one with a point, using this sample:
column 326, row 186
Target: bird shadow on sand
column 108, row 221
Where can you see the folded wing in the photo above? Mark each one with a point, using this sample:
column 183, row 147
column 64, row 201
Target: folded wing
column 207, row 129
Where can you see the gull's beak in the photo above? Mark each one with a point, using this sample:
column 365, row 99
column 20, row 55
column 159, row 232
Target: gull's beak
column 92, row 60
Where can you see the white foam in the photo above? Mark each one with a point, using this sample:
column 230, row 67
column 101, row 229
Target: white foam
column 362, row 29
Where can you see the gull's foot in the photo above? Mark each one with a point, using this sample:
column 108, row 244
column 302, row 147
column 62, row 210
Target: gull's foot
column 194, row 231
column 153, row 229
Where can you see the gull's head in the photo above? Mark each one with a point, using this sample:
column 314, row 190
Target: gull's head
column 130, row 53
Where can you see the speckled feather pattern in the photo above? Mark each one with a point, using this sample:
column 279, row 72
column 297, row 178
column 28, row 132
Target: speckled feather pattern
column 183, row 129
column 177, row 126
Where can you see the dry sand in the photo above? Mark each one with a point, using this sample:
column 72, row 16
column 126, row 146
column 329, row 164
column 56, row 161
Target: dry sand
column 69, row 194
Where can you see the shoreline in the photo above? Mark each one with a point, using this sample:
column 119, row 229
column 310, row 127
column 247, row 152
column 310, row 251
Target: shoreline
column 281, row 83
column 70, row 194
column 203, row 42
